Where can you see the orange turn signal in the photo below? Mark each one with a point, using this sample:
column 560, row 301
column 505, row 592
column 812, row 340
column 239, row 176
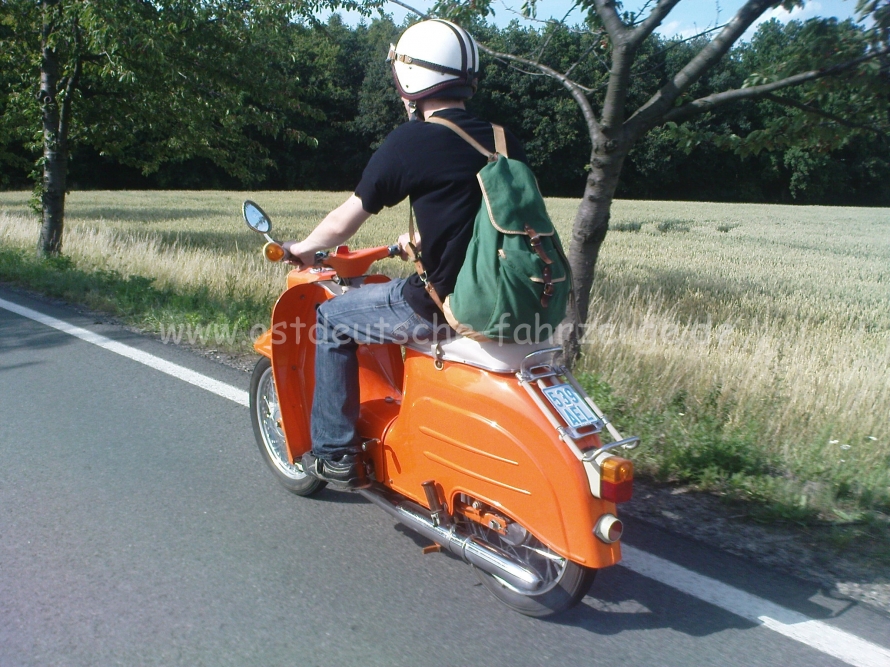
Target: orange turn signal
column 617, row 470
column 273, row 252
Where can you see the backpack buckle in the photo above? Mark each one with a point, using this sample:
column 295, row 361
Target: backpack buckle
column 535, row 240
column 549, row 289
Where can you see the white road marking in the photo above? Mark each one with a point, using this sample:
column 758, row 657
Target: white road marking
column 181, row 372
column 821, row 636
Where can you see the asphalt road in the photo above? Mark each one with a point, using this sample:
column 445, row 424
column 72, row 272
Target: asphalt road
column 139, row 526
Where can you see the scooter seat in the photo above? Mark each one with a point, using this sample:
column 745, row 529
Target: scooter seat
column 495, row 357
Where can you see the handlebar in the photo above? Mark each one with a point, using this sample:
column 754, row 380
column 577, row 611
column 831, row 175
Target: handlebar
column 344, row 262
column 343, row 252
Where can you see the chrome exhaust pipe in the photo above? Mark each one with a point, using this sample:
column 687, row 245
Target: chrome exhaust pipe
column 485, row 556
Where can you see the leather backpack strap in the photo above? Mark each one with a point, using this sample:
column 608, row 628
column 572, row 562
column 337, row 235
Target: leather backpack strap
column 414, row 256
column 500, row 140
column 454, row 127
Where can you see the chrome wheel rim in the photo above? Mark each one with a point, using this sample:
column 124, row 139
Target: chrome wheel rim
column 269, row 419
column 529, row 551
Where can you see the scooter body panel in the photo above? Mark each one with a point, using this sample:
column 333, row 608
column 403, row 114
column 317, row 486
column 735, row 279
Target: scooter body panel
column 480, row 434
column 472, row 431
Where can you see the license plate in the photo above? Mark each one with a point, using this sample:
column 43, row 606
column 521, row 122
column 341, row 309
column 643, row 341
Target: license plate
column 570, row 405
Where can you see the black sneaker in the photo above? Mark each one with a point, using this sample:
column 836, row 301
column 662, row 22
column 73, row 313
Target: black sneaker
column 348, row 472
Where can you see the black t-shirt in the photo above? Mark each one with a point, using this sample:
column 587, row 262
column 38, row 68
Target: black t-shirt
column 437, row 169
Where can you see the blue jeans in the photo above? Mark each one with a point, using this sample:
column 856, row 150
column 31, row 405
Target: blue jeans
column 376, row 313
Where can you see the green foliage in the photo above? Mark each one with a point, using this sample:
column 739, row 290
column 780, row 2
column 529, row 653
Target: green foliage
column 854, row 104
column 824, row 137
column 160, row 82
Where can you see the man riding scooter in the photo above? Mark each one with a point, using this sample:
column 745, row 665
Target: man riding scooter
column 436, row 67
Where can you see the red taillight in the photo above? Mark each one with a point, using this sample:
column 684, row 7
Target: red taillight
column 617, row 478
column 616, row 493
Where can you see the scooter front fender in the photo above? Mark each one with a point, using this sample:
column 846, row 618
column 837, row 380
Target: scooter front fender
column 290, row 345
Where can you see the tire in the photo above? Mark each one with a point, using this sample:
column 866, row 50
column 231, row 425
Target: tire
column 265, row 415
column 565, row 582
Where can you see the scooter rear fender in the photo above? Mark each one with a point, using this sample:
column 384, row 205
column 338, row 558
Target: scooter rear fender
column 480, row 434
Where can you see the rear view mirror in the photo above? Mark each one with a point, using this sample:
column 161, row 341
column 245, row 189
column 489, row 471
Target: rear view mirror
column 256, row 218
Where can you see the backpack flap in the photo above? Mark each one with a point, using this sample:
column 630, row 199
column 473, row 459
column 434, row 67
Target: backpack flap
column 511, row 196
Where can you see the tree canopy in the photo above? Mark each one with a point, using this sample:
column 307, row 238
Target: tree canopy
column 148, row 83
column 235, row 94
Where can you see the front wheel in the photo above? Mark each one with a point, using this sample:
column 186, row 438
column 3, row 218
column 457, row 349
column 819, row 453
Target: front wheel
column 266, row 417
column 565, row 582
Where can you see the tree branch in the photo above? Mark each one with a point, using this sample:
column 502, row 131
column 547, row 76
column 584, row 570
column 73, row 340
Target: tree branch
column 607, row 11
column 519, row 69
column 668, row 48
column 640, row 12
column 663, row 100
column 656, row 16
column 419, row 13
column 546, row 43
column 624, row 49
column 550, row 21
column 582, row 57
column 717, row 99
column 788, row 102
column 574, row 88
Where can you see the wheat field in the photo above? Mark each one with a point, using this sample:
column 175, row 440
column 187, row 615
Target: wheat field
column 782, row 313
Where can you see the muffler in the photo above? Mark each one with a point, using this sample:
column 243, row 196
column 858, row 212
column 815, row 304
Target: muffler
column 485, row 556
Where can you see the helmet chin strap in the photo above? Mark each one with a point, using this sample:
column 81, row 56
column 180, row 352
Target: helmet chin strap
column 412, row 111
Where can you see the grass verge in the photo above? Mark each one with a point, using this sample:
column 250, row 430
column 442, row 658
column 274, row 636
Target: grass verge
column 696, row 444
column 184, row 315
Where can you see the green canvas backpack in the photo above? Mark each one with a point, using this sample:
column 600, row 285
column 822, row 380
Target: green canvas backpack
column 515, row 282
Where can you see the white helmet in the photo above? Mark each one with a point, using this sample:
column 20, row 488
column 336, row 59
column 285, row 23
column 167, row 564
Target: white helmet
column 433, row 57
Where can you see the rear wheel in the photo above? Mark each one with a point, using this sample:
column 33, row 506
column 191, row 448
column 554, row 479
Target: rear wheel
column 565, row 582
column 266, row 417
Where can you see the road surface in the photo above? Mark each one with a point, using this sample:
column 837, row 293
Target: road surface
column 139, row 526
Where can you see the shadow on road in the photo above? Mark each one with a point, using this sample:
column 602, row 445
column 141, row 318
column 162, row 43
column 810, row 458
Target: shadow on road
column 13, row 367
column 21, row 333
column 18, row 333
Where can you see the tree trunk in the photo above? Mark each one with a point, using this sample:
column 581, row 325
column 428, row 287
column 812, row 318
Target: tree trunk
column 588, row 233
column 55, row 150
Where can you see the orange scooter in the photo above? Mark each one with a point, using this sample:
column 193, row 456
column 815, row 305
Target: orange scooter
column 491, row 451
